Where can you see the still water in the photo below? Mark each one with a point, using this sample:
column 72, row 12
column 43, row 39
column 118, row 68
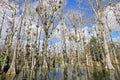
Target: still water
column 68, row 72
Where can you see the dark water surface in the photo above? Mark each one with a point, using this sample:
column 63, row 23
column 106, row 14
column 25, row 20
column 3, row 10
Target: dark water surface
column 66, row 73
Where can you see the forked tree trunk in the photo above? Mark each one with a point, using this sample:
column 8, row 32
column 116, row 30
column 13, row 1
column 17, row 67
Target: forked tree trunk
column 12, row 69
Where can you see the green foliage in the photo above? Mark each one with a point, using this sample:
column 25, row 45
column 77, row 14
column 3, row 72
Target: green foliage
column 95, row 49
column 2, row 77
column 100, row 74
column 1, row 59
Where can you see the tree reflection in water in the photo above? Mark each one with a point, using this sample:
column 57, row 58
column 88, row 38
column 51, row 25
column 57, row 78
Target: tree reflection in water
column 65, row 73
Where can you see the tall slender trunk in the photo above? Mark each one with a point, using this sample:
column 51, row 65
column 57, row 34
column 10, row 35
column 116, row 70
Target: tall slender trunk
column 12, row 69
column 108, row 60
column 113, row 46
column 12, row 66
column 2, row 22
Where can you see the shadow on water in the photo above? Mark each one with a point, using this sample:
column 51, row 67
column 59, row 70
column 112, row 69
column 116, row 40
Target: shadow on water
column 69, row 72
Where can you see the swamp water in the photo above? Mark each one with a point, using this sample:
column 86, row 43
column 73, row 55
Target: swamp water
column 67, row 72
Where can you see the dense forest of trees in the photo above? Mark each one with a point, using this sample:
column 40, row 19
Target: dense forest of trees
column 27, row 38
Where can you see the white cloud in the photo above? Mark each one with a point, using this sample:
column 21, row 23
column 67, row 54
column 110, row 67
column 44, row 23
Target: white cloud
column 109, row 17
column 116, row 41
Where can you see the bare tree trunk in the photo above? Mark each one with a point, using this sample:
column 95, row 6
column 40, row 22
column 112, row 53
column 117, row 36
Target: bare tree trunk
column 12, row 69
column 12, row 66
column 108, row 60
column 113, row 46
column 2, row 22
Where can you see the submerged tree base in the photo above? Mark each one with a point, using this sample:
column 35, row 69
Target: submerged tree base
column 68, row 72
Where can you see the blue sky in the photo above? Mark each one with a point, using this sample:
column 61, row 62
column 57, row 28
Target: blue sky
column 115, row 34
column 69, row 4
column 88, row 12
column 73, row 4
